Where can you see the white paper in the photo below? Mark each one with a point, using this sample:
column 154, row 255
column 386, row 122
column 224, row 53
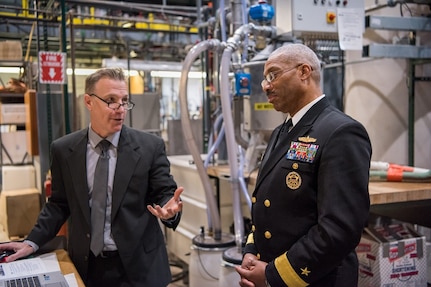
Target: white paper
column 50, row 261
column 31, row 266
column 21, row 268
column 71, row 280
column 350, row 28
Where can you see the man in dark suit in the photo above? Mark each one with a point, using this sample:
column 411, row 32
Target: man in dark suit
column 311, row 200
column 140, row 190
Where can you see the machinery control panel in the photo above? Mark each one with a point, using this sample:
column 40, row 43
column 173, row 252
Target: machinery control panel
column 311, row 16
column 242, row 84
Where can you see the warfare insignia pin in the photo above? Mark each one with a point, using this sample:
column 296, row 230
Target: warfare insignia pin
column 293, row 180
column 307, row 139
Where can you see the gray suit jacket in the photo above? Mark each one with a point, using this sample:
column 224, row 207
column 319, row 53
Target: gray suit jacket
column 142, row 177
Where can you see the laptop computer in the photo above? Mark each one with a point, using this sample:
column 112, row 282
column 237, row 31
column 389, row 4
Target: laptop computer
column 49, row 279
column 41, row 271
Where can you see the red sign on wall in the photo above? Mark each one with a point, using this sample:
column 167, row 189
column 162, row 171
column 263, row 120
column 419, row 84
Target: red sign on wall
column 52, row 67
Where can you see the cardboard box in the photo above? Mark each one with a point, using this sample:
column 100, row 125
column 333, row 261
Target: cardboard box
column 15, row 148
column 19, row 210
column 11, row 50
column 18, row 177
column 12, row 113
column 392, row 256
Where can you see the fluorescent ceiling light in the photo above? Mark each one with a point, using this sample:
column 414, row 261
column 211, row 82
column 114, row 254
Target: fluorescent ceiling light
column 143, row 65
column 172, row 74
column 9, row 70
column 81, row 72
column 86, row 72
column 78, row 71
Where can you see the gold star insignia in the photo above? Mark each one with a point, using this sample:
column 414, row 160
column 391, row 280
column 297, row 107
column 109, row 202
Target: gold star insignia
column 305, row 271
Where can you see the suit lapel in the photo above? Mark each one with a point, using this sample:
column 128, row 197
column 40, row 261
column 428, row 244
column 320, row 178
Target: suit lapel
column 77, row 164
column 126, row 162
column 300, row 129
column 271, row 144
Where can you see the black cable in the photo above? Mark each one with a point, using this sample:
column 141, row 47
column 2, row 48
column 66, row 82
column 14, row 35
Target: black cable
column 180, row 275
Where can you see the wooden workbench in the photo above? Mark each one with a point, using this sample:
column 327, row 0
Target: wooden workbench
column 380, row 192
column 67, row 267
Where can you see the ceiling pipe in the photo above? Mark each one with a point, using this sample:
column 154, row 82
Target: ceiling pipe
column 139, row 7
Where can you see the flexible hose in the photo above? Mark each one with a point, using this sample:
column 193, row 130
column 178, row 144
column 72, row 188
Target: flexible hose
column 194, row 53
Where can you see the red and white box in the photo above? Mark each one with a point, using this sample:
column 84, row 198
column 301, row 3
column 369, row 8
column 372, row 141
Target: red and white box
column 392, row 256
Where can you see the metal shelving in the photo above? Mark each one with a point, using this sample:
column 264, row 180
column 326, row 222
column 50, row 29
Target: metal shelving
column 12, row 148
column 413, row 52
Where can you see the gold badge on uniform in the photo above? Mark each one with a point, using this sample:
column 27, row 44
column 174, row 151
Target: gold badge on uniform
column 307, row 139
column 293, row 180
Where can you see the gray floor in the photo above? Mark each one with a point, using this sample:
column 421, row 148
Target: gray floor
column 177, row 272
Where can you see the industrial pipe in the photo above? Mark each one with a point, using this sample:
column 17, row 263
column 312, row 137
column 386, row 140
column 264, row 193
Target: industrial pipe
column 231, row 143
column 194, row 53
column 233, row 44
column 232, row 146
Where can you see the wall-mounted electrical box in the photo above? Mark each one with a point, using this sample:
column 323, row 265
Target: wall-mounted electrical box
column 300, row 17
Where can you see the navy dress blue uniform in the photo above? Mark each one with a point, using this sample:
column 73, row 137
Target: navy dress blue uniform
column 311, row 201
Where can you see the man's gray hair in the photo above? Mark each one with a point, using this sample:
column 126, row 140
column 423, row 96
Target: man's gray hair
column 109, row 73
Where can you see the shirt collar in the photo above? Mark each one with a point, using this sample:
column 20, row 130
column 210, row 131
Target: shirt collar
column 298, row 116
column 94, row 138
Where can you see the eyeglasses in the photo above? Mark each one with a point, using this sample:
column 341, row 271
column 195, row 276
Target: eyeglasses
column 272, row 76
column 115, row 106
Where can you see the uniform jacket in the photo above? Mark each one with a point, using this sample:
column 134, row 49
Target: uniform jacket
column 311, row 201
column 142, row 177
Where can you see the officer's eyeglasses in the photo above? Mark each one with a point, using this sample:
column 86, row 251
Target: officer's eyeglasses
column 115, row 106
column 272, row 76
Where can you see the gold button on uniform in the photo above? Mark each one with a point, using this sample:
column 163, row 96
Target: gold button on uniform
column 267, row 203
column 253, row 199
column 253, row 228
column 258, row 256
column 268, row 235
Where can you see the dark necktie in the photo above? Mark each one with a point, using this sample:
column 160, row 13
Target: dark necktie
column 98, row 198
column 285, row 129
